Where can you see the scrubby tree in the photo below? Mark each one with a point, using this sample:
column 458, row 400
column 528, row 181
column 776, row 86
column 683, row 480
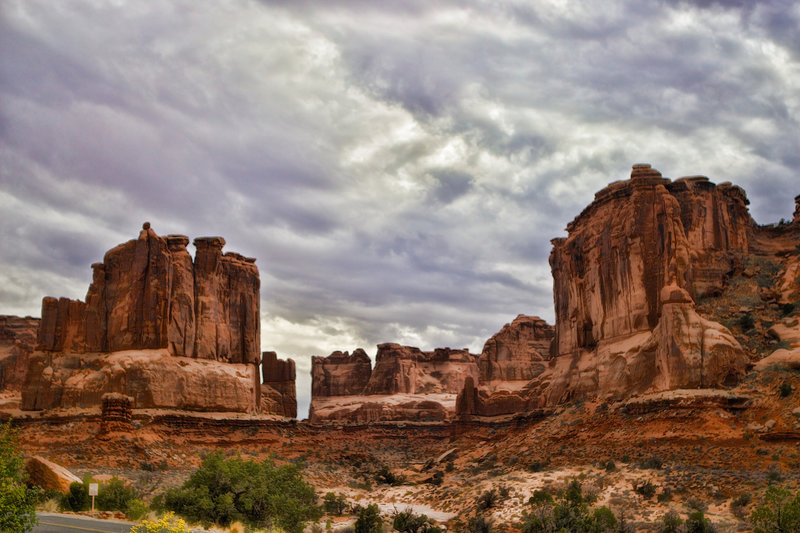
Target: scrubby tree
column 260, row 494
column 779, row 512
column 369, row 520
column 17, row 501
column 570, row 513
column 335, row 504
column 115, row 495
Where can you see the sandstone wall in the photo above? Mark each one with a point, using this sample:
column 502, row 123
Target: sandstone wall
column 518, row 352
column 17, row 342
column 278, row 393
column 148, row 295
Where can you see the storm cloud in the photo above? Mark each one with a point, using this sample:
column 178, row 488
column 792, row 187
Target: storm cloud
column 397, row 169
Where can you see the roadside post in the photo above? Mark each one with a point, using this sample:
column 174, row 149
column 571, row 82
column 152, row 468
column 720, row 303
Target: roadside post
column 92, row 493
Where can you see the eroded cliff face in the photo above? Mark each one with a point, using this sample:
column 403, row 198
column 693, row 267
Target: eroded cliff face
column 149, row 295
column 278, row 392
column 17, row 343
column 406, row 384
column 625, row 282
column 518, row 352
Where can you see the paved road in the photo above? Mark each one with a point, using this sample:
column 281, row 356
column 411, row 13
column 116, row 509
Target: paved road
column 56, row 523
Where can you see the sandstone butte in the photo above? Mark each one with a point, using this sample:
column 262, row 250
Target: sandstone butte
column 642, row 283
column 165, row 329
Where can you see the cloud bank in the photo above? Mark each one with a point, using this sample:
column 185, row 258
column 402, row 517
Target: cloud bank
column 397, row 168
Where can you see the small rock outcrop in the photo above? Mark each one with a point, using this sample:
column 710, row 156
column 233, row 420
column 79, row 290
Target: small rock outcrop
column 167, row 330
column 116, row 414
column 17, row 343
column 278, row 393
column 406, row 384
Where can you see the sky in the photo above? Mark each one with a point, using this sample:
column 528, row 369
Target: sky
column 397, row 168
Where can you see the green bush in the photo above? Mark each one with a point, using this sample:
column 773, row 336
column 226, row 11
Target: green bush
column 136, row 510
column 480, row 524
column 487, row 500
column 785, row 389
column 409, row 522
column 653, row 462
column 671, row 523
column 369, row 520
column 779, row 512
column 77, row 499
column 386, row 477
column 114, row 495
column 335, row 504
column 698, row 523
column 17, row 502
column 259, row 494
column 571, row 513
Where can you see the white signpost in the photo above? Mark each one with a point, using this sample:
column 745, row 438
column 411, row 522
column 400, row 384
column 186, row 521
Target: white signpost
column 92, row 493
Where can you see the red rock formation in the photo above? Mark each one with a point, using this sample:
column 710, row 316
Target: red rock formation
column 278, row 394
column 518, row 352
column 340, row 374
column 116, row 414
column 148, row 294
column 408, row 370
column 624, row 283
column 17, row 342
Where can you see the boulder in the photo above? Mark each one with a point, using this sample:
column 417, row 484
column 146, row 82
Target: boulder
column 49, row 475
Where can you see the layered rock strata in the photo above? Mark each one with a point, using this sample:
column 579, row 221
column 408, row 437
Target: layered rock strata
column 406, row 384
column 158, row 326
column 116, row 414
column 17, row 343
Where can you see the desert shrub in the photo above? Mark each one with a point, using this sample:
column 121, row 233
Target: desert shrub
column 369, row 520
column 166, row 524
column 136, row 509
column 779, row 512
column 540, row 497
column 653, row 462
column 746, row 321
column 437, row 479
column 409, row 522
column 787, row 309
column 538, row 466
column 480, row 524
column 608, row 466
column 260, row 494
column 697, row 505
column 785, row 389
column 671, row 523
column 487, row 500
column 77, row 498
column 698, row 523
column 114, row 495
column 739, row 503
column 774, row 475
column 386, row 477
column 335, row 503
column 645, row 489
column 17, row 501
column 571, row 513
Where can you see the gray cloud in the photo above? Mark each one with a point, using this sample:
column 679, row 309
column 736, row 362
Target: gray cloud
column 398, row 169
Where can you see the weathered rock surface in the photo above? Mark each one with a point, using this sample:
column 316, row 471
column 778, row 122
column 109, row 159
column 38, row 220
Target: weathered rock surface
column 625, row 280
column 149, row 302
column 406, row 384
column 518, row 352
column 340, row 374
column 278, row 393
column 17, row 343
column 153, row 378
column 148, row 294
column 49, row 475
